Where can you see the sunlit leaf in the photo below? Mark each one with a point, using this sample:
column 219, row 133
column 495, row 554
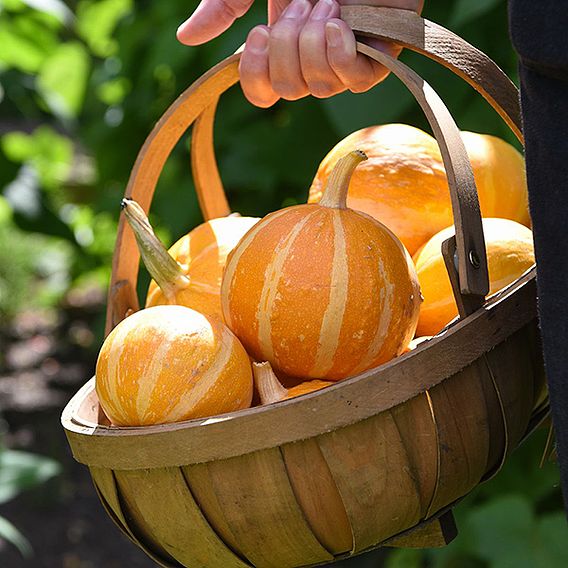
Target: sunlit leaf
column 19, row 51
column 12, row 5
column 11, row 534
column 96, row 21
column 20, row 471
column 63, row 79
column 17, row 146
column 56, row 8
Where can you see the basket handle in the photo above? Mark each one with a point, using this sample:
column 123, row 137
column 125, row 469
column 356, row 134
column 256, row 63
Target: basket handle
column 199, row 102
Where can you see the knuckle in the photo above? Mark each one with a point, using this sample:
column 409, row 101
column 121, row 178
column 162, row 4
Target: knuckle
column 322, row 89
column 283, row 32
column 360, row 85
column 288, row 91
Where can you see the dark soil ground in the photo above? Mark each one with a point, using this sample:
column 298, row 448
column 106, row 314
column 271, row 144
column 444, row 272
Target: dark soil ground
column 44, row 358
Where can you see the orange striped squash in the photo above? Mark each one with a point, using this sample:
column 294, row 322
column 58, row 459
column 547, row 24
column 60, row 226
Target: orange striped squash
column 271, row 390
column 321, row 291
column 404, row 185
column 170, row 363
column 189, row 273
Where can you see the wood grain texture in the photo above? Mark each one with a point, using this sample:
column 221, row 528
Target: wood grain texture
column 496, row 415
column 255, row 503
column 512, row 368
column 317, row 495
column 463, row 436
column 336, row 406
column 161, row 503
column 417, row 429
column 105, row 484
column 371, row 468
column 203, row 491
column 208, row 185
column 437, row 533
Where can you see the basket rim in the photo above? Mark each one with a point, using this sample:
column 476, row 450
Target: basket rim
column 340, row 405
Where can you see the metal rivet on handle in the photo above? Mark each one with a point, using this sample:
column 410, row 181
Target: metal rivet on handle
column 474, row 259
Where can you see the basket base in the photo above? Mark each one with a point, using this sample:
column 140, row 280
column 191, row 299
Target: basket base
column 435, row 534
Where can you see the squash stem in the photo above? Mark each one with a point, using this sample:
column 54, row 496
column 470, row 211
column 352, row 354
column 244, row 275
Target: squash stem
column 335, row 193
column 269, row 387
column 167, row 273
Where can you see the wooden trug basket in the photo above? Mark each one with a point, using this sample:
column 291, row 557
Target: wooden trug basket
column 376, row 459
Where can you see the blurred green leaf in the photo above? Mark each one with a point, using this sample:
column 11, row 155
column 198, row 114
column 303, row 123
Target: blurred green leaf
column 5, row 212
column 25, row 43
column 113, row 92
column 17, row 146
column 404, row 558
column 63, row 79
column 11, row 534
column 501, row 532
column 12, row 5
column 47, row 151
column 465, row 11
column 385, row 103
column 20, row 471
column 552, row 538
column 96, row 21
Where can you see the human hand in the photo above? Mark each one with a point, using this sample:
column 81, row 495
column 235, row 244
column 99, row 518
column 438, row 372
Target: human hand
column 306, row 50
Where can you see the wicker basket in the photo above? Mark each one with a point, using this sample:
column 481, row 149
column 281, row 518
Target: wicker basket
column 378, row 458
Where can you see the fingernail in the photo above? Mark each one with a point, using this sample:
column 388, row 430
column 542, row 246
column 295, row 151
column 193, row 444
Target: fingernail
column 297, row 9
column 257, row 41
column 333, row 34
column 322, row 10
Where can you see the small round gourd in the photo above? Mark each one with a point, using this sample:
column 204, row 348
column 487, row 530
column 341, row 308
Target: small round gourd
column 189, row 273
column 170, row 363
column 319, row 290
column 510, row 252
column 404, row 184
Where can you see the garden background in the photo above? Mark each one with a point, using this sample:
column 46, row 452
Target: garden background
column 81, row 85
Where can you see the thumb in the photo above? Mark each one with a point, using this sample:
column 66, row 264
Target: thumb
column 211, row 18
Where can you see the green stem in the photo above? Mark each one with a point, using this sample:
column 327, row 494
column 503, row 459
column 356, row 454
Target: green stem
column 335, row 193
column 167, row 273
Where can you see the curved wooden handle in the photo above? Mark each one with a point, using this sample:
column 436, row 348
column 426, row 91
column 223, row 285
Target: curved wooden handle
column 196, row 102
column 199, row 101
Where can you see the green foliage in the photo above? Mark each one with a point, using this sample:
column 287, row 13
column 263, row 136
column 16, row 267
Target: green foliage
column 19, row 472
column 62, row 80
column 11, row 534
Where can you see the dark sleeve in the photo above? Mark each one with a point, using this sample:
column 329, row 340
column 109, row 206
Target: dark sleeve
column 539, row 30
